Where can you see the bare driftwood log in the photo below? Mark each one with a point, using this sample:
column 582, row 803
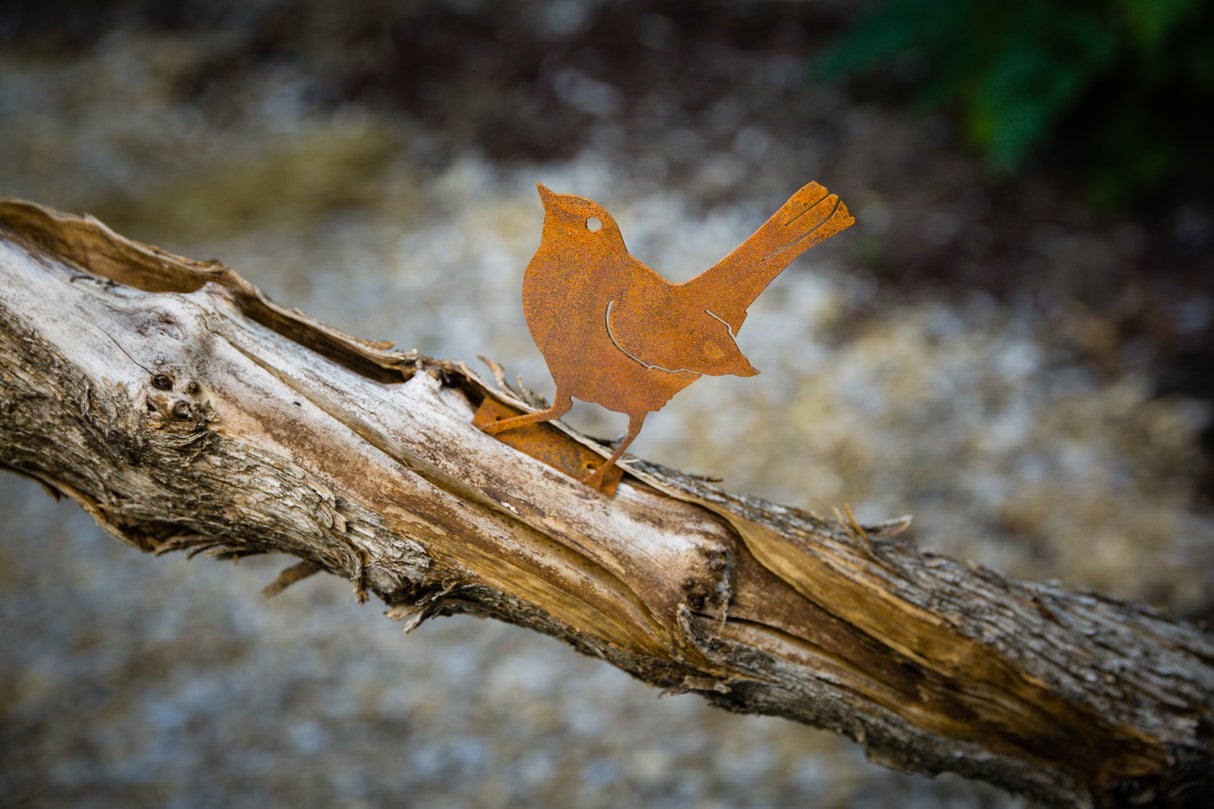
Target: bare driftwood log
column 184, row 410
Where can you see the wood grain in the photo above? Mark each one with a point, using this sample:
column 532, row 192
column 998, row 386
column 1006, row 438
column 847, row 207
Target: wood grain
column 185, row 411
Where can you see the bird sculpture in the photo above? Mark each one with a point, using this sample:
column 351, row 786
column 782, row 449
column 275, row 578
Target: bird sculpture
column 616, row 333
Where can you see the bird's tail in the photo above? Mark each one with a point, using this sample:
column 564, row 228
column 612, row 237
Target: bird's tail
column 812, row 215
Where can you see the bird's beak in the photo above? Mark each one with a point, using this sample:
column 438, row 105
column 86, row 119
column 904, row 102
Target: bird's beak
column 546, row 196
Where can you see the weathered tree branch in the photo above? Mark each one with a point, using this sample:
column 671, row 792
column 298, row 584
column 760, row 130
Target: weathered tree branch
column 184, row 410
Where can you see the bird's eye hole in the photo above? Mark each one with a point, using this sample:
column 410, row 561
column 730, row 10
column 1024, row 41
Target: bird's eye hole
column 593, row 224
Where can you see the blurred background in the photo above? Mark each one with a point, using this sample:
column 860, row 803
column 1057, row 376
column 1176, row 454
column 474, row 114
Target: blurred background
column 1013, row 344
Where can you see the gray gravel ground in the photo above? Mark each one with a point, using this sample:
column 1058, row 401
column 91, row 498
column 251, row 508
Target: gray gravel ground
column 130, row 681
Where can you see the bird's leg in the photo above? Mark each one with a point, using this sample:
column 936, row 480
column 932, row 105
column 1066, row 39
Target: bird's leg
column 561, row 405
column 595, row 478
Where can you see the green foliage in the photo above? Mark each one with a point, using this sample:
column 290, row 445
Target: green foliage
column 1114, row 86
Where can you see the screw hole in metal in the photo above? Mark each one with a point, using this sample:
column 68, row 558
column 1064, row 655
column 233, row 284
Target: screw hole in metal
column 594, row 224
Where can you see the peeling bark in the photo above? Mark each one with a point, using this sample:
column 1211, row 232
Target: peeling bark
column 185, row 411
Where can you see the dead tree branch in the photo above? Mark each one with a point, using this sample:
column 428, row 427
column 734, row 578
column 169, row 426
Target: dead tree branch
column 185, row 411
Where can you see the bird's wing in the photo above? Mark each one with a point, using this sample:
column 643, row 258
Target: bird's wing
column 666, row 331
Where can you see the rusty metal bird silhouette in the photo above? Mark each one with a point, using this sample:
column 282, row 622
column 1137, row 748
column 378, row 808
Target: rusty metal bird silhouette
column 616, row 333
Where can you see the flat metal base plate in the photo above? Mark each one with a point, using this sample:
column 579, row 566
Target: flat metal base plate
column 547, row 444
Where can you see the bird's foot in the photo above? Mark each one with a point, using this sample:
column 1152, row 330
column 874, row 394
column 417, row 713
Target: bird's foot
column 595, row 478
column 495, row 428
column 563, row 403
column 516, row 421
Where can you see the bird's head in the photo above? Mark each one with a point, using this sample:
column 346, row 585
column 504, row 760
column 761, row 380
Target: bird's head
column 578, row 221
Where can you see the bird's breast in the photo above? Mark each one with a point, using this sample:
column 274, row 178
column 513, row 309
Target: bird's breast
column 565, row 304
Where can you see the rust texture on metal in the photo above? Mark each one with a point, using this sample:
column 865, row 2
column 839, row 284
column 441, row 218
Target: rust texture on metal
column 616, row 333
column 553, row 448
